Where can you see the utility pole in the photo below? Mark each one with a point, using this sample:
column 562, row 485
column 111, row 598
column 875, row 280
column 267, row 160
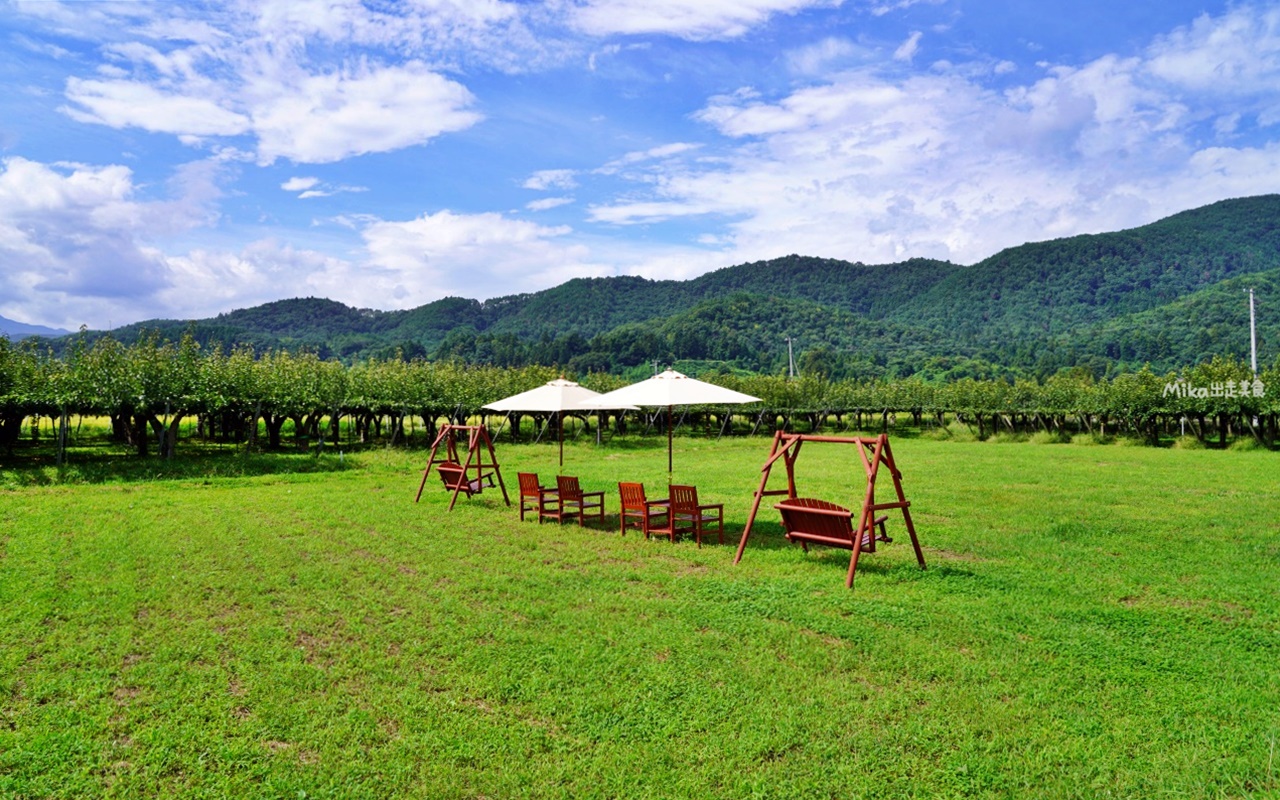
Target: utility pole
column 791, row 361
column 1253, row 351
column 1253, row 338
column 655, row 366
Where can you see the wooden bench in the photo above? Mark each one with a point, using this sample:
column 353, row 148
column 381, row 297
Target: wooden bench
column 454, row 477
column 810, row 521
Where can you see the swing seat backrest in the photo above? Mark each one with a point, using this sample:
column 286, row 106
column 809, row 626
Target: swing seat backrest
column 811, row 521
column 454, row 476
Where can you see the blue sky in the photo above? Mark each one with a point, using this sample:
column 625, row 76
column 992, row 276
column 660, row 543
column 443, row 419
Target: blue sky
column 181, row 160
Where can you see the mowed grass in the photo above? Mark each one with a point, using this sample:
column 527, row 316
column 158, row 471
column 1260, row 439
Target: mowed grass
column 1093, row 622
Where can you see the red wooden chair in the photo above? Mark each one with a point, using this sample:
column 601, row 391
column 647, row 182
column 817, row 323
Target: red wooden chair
column 809, row 521
column 575, row 502
column 685, row 508
column 639, row 511
column 535, row 497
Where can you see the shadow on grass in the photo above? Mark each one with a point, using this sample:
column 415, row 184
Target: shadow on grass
column 836, row 560
column 764, row 536
column 107, row 464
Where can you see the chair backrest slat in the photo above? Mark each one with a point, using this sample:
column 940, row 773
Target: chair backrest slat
column 568, row 487
column 528, row 483
column 684, row 499
column 632, row 495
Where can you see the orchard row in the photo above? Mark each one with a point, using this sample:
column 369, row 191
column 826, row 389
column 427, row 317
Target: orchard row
column 149, row 388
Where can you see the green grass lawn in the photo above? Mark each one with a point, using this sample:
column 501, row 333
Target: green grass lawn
column 1094, row 622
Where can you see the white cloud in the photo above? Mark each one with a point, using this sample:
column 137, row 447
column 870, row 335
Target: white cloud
column 313, row 187
column 405, row 264
column 1237, row 53
column 299, row 184
column 548, row 203
column 870, row 163
column 247, row 73
column 545, row 179
column 120, row 103
column 688, row 19
column 908, row 49
column 325, row 118
column 658, row 153
column 468, row 254
column 876, row 166
column 77, row 246
column 208, row 282
column 879, row 9
column 819, row 58
column 439, row 25
column 330, row 191
column 44, row 48
column 75, row 239
column 305, row 118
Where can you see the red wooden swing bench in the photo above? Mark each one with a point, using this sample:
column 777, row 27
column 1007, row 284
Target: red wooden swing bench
column 454, row 477
column 469, row 477
column 809, row 521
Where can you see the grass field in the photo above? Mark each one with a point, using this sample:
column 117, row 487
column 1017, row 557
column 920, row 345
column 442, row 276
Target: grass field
column 1094, row 622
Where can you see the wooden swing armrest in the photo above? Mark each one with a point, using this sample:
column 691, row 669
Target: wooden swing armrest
column 701, row 511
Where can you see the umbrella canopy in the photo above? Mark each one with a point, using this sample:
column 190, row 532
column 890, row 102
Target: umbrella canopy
column 555, row 397
column 670, row 389
column 551, row 397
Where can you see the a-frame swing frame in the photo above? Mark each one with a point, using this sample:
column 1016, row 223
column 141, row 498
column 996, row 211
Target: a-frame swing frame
column 874, row 452
column 478, row 443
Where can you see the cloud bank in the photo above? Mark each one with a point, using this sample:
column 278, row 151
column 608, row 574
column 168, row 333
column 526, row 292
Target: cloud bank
column 846, row 146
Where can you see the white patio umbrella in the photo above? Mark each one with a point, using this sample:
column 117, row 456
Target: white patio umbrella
column 555, row 397
column 672, row 389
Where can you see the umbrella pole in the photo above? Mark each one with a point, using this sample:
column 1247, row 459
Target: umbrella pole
column 561, row 427
column 668, row 445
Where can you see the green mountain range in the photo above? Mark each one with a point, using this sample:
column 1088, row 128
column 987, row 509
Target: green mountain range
column 1172, row 293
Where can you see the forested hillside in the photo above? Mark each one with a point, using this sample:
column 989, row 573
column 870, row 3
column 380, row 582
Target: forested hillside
column 1191, row 329
column 1170, row 293
column 1048, row 288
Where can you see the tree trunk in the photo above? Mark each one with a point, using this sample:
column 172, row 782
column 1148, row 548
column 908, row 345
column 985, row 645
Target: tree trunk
column 10, row 429
column 273, row 423
column 169, row 435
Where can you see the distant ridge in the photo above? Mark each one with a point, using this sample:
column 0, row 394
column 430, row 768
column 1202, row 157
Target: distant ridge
column 1168, row 293
column 20, row 330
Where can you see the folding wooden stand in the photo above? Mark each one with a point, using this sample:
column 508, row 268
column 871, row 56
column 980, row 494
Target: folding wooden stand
column 874, row 452
column 477, row 435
